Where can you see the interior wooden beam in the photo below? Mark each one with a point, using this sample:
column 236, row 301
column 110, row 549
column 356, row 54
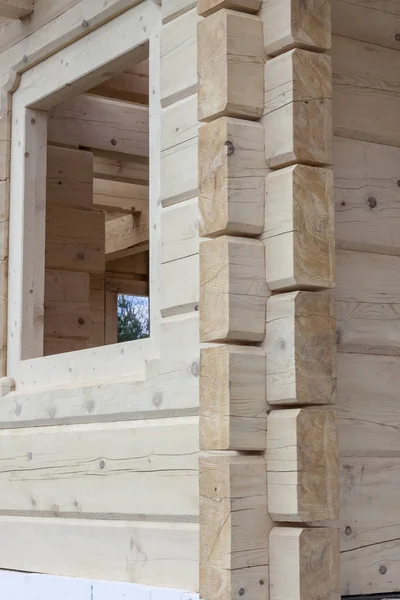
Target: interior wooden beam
column 120, row 167
column 125, row 232
column 16, row 9
column 100, row 123
column 129, row 86
column 111, row 195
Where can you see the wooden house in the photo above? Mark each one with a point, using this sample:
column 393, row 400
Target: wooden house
column 237, row 162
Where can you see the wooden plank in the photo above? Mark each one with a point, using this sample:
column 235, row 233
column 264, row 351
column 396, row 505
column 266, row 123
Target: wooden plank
column 299, row 226
column 75, row 239
column 297, row 115
column 180, row 286
column 300, row 348
column 366, row 196
column 100, row 124
column 230, row 66
column 376, row 22
column 179, row 231
column 289, row 24
column 127, row 87
column 304, row 563
column 66, row 286
column 97, row 311
column 110, row 469
column 233, row 409
column 127, row 286
column 302, row 465
column 148, row 553
column 231, row 177
column 234, row 526
column 233, row 291
column 58, row 345
column 121, row 167
column 179, row 131
column 108, row 194
column 111, row 317
column 207, row 7
column 67, row 320
column 16, row 9
column 361, row 95
column 178, row 76
column 370, row 531
column 125, row 232
column 367, row 302
column 131, row 266
column 368, row 405
column 69, row 177
column 171, row 9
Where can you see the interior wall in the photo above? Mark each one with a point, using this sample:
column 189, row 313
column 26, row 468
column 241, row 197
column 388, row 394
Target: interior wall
column 366, row 102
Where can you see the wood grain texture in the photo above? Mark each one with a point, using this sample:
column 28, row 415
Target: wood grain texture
column 16, row 9
column 300, row 349
column 179, row 231
column 233, row 291
column 233, row 409
column 361, row 92
column 207, row 7
column 164, row 554
column 297, row 115
column 178, row 75
column 180, row 286
column 302, row 465
column 69, row 177
column 230, row 66
column 109, row 469
column 179, row 134
column 299, row 233
column 304, row 563
column 101, row 124
column 366, row 196
column 291, row 24
column 234, row 526
column 367, row 298
column 376, row 21
column 231, row 177
column 171, row 9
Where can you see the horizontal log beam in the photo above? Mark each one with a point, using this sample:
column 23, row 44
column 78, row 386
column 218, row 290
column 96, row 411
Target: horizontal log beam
column 130, row 86
column 16, row 9
column 125, row 232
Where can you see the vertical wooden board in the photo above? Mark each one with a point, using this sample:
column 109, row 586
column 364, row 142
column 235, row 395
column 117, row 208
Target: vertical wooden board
column 231, row 177
column 299, row 228
column 75, row 239
column 171, row 9
column 289, row 24
column 366, row 196
column 304, row 563
column 207, row 7
column 111, row 317
column 369, row 422
column 67, row 320
column 375, row 22
column 66, row 286
column 180, row 286
column 164, row 554
column 297, row 115
column 233, row 291
column 69, row 177
column 178, row 78
column 300, row 348
column 233, row 409
column 179, row 131
column 365, row 101
column 302, row 465
column 230, row 66
column 97, row 311
column 234, row 526
column 179, row 231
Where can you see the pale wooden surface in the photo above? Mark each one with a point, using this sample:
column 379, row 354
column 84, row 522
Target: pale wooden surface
column 289, row 24
column 297, row 115
column 170, row 9
column 304, row 563
column 231, row 177
column 70, row 177
column 300, row 349
column 302, row 465
column 299, row 232
column 16, row 9
column 234, row 526
column 233, row 291
column 207, row 7
column 233, row 411
column 230, row 66
column 141, row 552
column 179, row 231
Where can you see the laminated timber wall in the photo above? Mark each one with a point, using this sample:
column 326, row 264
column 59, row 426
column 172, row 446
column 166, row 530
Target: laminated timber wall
column 366, row 155
column 84, row 460
column 268, row 427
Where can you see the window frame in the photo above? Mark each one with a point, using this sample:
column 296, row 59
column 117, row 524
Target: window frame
column 70, row 71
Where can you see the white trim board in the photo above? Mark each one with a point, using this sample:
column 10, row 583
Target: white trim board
column 32, row 586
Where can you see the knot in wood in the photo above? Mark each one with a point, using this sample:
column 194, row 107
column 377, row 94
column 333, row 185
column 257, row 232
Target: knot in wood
column 382, row 570
column 230, row 148
column 372, row 202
